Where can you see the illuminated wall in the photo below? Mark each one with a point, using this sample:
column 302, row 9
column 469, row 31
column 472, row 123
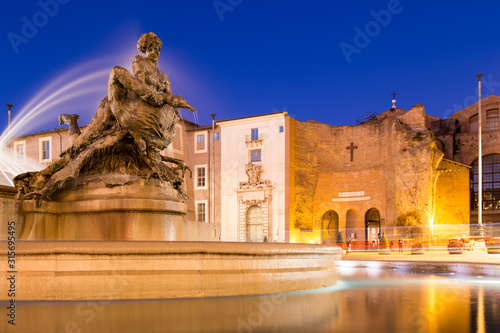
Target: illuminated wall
column 452, row 201
column 389, row 164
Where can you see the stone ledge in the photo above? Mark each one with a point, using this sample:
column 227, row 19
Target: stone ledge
column 108, row 205
column 52, row 270
column 158, row 247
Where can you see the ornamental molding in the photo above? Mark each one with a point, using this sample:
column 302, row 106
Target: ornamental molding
column 252, row 202
column 254, row 182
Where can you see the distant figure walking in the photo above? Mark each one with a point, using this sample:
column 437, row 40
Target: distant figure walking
column 400, row 245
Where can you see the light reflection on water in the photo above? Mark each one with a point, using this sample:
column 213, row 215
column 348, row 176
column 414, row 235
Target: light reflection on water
column 364, row 300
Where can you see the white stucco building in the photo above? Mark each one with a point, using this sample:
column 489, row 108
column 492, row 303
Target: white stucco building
column 253, row 178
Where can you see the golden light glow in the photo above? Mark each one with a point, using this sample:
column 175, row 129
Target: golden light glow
column 481, row 325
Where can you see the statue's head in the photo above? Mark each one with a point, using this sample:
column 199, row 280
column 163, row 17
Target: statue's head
column 148, row 41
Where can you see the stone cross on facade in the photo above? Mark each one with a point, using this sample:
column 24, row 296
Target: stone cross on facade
column 351, row 148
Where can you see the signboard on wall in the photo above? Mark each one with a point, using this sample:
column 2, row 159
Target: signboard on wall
column 351, row 194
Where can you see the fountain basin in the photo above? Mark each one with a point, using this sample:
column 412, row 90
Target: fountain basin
column 107, row 208
column 75, row 270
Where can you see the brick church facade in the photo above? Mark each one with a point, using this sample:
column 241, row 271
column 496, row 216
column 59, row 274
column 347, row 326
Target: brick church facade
column 378, row 176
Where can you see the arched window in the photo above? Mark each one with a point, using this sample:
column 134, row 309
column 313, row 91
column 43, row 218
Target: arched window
column 330, row 226
column 474, row 123
column 255, row 231
column 491, row 182
column 492, row 119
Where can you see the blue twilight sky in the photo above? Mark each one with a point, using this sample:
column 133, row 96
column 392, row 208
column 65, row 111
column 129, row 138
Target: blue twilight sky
column 331, row 61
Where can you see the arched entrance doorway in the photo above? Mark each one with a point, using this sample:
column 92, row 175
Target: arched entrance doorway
column 254, row 226
column 329, row 226
column 372, row 225
column 351, row 232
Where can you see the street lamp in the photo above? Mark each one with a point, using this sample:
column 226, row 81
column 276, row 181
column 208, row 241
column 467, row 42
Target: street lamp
column 480, row 165
column 10, row 107
column 212, row 174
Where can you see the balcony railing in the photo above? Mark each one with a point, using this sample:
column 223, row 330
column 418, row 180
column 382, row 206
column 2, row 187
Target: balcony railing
column 253, row 141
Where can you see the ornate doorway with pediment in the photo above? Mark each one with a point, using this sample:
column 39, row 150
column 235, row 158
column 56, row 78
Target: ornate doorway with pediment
column 254, row 207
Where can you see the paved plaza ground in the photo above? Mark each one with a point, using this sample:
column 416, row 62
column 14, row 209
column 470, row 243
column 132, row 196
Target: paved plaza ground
column 470, row 263
column 475, row 256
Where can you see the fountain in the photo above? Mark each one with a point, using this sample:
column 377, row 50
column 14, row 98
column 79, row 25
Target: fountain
column 102, row 224
column 110, row 212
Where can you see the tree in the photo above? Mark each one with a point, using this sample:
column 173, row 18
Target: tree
column 340, row 239
column 410, row 224
column 384, row 243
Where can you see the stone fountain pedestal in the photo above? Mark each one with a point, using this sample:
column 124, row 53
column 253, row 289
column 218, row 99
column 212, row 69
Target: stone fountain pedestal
column 118, row 208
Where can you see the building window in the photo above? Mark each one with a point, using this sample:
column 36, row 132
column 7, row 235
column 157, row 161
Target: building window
column 255, row 155
column 200, row 144
column 45, row 150
column 474, row 123
column 282, row 129
column 255, row 134
column 200, row 177
column 491, row 120
column 491, row 182
column 216, row 136
column 20, row 153
column 200, row 172
column 201, row 212
column 45, row 146
column 19, row 149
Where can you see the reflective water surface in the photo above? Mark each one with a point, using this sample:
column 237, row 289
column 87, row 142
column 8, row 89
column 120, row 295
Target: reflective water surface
column 364, row 300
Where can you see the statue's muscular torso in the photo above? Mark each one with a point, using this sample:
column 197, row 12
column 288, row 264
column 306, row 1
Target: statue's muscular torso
column 150, row 75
